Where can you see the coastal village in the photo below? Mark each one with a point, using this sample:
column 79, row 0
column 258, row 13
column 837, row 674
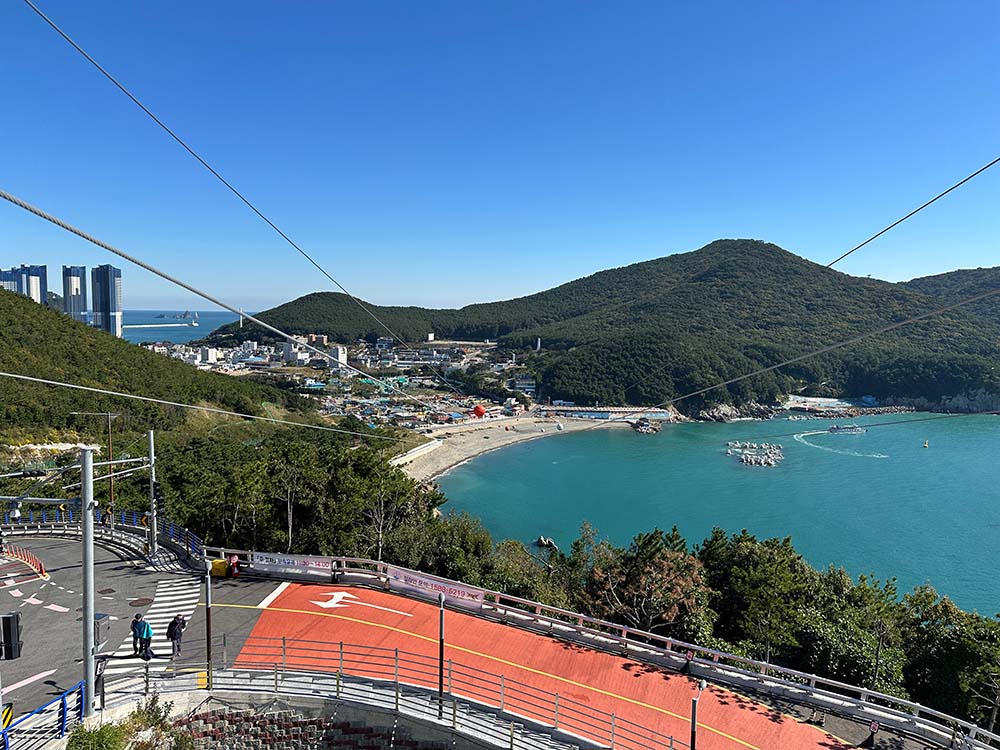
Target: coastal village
column 414, row 388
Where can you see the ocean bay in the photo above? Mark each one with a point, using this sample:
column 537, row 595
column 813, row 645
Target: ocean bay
column 170, row 325
column 877, row 502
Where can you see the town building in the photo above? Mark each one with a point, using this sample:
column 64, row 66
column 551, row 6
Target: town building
column 523, row 384
column 339, row 354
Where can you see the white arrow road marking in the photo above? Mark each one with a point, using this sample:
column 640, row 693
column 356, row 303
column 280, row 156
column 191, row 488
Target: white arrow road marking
column 28, row 681
column 337, row 600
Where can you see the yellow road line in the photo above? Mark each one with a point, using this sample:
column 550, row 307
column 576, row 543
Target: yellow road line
column 497, row 659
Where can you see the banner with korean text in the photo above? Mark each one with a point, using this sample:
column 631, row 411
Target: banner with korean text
column 296, row 565
column 401, row 579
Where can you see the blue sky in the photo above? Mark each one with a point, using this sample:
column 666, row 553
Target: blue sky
column 442, row 153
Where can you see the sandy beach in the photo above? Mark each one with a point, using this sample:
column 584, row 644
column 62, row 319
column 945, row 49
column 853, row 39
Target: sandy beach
column 459, row 443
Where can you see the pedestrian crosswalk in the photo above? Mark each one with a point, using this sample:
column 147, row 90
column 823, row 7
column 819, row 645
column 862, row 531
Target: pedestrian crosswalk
column 176, row 596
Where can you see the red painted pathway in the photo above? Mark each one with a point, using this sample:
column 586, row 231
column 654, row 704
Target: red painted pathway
column 645, row 695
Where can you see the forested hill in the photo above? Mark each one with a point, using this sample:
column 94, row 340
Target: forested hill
column 957, row 285
column 44, row 343
column 654, row 330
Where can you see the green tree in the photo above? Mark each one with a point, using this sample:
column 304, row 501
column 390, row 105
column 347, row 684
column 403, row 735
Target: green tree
column 649, row 585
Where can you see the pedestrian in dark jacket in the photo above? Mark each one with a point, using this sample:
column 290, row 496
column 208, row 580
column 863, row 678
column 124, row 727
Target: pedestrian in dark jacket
column 175, row 631
column 136, row 625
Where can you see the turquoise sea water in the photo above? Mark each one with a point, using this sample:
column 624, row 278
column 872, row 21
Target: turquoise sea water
column 208, row 321
column 878, row 502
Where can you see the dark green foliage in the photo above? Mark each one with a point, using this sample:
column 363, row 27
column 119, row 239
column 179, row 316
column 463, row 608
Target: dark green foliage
column 282, row 489
column 43, row 343
column 657, row 330
column 952, row 654
column 958, row 285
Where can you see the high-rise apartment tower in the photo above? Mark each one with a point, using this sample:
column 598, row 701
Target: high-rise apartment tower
column 75, row 292
column 106, row 287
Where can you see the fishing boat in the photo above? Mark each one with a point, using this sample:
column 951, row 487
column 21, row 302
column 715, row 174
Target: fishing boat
column 847, row 429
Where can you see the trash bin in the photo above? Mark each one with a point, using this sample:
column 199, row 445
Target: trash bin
column 220, row 567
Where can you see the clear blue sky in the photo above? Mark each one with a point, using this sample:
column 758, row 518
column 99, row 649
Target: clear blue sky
column 441, row 153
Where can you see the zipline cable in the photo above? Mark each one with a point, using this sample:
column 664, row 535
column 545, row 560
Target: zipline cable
column 225, row 182
column 209, row 409
column 184, row 285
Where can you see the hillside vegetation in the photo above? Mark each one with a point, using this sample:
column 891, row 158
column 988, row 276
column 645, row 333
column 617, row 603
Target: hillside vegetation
column 43, row 343
column 957, row 285
column 652, row 331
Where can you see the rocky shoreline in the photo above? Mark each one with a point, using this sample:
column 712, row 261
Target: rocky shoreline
column 962, row 404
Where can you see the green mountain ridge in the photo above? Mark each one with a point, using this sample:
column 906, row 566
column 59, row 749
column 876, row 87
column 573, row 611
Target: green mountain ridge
column 651, row 331
column 40, row 342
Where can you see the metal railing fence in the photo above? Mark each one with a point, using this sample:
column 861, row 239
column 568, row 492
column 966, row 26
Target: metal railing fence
column 52, row 721
column 473, row 701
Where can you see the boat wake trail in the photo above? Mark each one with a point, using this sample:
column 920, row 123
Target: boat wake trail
column 801, row 438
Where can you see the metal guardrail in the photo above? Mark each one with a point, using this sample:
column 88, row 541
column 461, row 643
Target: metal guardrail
column 507, row 712
column 49, row 722
column 808, row 689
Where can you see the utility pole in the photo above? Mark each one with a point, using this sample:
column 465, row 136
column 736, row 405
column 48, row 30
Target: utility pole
column 111, row 479
column 87, row 513
column 152, row 495
column 111, row 458
column 208, row 619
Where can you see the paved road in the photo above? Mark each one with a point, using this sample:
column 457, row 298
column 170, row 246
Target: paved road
column 51, row 617
column 52, row 620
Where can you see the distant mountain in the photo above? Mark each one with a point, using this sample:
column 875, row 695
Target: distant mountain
column 41, row 342
column 647, row 332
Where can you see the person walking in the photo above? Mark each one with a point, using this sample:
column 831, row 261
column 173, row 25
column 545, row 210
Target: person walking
column 145, row 640
column 175, row 631
column 136, row 625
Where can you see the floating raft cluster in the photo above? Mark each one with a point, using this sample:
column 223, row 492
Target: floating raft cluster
column 755, row 454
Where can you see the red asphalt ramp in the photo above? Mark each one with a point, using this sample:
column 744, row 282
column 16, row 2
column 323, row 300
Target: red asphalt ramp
column 372, row 621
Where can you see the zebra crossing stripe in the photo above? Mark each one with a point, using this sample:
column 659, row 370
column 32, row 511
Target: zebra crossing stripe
column 174, row 597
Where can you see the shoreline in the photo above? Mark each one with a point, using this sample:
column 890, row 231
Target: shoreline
column 466, row 442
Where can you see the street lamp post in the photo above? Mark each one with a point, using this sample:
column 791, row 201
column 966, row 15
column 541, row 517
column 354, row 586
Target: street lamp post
column 87, row 523
column 111, row 457
column 694, row 715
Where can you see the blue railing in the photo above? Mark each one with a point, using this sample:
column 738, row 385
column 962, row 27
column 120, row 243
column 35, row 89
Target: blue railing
column 179, row 535
column 46, row 723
